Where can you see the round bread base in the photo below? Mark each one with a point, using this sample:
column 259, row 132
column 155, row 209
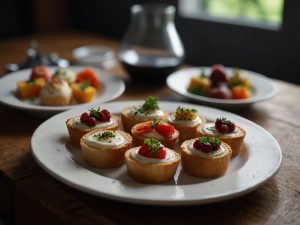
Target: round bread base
column 75, row 134
column 56, row 100
column 204, row 167
column 235, row 142
column 102, row 157
column 151, row 173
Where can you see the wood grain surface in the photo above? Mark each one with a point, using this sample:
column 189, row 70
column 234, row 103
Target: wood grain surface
column 28, row 195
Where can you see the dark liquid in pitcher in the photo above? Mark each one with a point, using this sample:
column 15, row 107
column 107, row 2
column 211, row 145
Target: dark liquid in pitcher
column 149, row 68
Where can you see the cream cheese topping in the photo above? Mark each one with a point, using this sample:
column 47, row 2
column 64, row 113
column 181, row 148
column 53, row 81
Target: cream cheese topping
column 112, row 142
column 65, row 74
column 76, row 123
column 209, row 129
column 172, row 119
column 170, row 155
column 136, row 111
column 56, row 88
column 219, row 152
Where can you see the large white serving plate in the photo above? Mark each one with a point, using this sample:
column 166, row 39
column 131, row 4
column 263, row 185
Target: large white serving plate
column 262, row 88
column 258, row 162
column 111, row 88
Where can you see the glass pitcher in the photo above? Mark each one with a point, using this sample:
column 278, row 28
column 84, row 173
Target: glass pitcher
column 151, row 48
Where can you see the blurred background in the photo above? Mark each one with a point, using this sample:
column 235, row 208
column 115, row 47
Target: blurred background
column 259, row 35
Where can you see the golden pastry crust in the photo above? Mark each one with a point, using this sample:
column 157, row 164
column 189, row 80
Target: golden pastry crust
column 75, row 133
column 138, row 139
column 187, row 132
column 204, row 167
column 105, row 157
column 56, row 100
column 128, row 121
column 151, row 173
column 235, row 142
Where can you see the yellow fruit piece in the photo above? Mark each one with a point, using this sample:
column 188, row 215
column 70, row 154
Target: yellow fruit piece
column 185, row 114
column 30, row 89
column 240, row 92
column 199, row 85
column 238, row 79
column 83, row 95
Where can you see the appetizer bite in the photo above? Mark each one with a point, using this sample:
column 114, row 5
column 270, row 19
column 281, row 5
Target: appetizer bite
column 104, row 148
column 89, row 121
column 152, row 162
column 227, row 131
column 205, row 157
column 137, row 114
column 221, row 85
column 61, row 89
column 185, row 120
column 157, row 129
column 65, row 74
column 56, row 92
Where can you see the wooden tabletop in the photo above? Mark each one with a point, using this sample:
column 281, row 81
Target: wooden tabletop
column 28, row 195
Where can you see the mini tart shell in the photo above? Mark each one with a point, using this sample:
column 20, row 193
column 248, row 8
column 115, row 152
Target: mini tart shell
column 187, row 132
column 75, row 133
column 105, row 157
column 204, row 167
column 129, row 121
column 235, row 142
column 151, row 173
column 56, row 100
column 138, row 139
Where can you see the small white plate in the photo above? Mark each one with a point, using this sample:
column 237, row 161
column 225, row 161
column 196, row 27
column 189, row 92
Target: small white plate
column 263, row 88
column 111, row 89
column 257, row 163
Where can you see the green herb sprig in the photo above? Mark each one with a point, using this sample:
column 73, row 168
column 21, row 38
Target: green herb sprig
column 105, row 134
column 155, row 123
column 211, row 140
column 83, row 85
column 94, row 112
column 153, row 144
column 151, row 103
column 185, row 110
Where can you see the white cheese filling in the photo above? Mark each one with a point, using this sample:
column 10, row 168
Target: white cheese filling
column 172, row 119
column 210, row 129
column 170, row 155
column 136, row 112
column 219, row 152
column 111, row 142
column 76, row 123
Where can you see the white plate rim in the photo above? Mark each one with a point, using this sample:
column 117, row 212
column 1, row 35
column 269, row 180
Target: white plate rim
column 215, row 101
column 156, row 201
column 114, row 86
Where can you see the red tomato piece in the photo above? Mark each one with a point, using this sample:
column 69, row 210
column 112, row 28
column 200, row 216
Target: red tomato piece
column 165, row 130
column 161, row 154
column 144, row 128
column 89, row 75
column 144, row 151
column 40, row 72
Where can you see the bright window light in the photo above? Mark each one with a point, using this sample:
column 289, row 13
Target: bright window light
column 257, row 13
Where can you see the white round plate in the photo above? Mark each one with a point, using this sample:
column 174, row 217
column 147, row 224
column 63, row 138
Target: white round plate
column 258, row 162
column 112, row 88
column 262, row 88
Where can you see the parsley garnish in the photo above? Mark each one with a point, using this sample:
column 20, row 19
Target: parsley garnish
column 155, row 122
column 30, row 81
column 83, row 85
column 105, row 134
column 151, row 103
column 94, row 112
column 224, row 120
column 185, row 110
column 202, row 73
column 153, row 144
column 211, row 140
